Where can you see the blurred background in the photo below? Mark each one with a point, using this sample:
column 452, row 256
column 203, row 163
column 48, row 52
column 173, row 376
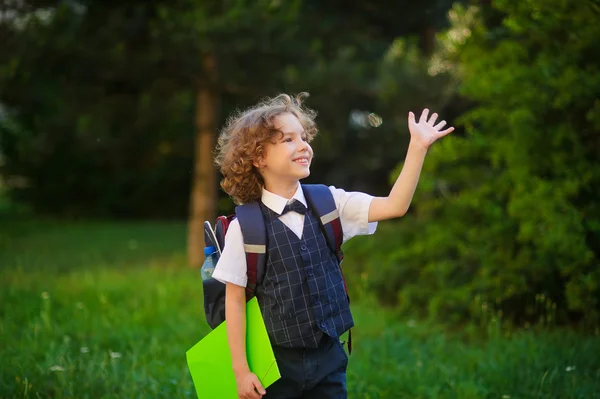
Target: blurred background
column 109, row 111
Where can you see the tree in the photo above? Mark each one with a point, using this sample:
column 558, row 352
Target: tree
column 507, row 216
column 95, row 123
column 102, row 98
column 256, row 33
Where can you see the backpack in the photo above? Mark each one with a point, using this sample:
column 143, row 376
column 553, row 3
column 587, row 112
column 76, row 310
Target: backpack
column 250, row 217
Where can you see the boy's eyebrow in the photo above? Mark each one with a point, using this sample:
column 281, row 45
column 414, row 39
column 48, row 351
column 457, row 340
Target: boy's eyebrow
column 302, row 133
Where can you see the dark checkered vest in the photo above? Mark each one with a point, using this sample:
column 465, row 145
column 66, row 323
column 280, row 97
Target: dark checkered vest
column 302, row 295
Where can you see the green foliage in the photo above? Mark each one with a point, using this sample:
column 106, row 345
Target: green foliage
column 107, row 310
column 507, row 217
column 98, row 98
column 87, row 113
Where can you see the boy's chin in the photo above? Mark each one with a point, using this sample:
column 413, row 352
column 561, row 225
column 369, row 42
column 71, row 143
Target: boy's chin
column 305, row 175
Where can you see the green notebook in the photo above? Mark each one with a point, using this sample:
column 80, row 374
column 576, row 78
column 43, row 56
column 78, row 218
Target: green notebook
column 209, row 360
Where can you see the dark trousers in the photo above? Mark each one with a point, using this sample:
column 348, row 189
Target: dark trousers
column 318, row 373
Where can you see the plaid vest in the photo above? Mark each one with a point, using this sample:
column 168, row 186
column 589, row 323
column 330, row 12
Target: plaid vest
column 302, row 295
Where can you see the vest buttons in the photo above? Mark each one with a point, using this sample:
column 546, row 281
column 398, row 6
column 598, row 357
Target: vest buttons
column 323, row 324
column 303, row 247
column 309, row 271
column 317, row 302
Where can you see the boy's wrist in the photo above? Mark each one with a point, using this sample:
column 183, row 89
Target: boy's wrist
column 241, row 368
column 415, row 145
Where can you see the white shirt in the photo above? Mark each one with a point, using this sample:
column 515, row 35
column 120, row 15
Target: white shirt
column 353, row 208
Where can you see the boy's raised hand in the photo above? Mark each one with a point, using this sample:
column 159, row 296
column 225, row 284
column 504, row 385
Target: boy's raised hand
column 426, row 132
column 249, row 387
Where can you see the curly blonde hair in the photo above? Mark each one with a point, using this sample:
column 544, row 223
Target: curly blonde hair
column 243, row 140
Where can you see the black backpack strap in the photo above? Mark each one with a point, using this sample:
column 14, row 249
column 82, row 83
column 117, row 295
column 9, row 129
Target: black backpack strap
column 254, row 233
column 320, row 200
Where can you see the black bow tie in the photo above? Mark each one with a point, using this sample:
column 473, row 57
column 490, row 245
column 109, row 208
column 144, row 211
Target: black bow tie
column 295, row 206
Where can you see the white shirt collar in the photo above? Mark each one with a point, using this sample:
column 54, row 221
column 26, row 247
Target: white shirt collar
column 276, row 202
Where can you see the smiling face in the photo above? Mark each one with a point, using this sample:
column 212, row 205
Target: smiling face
column 288, row 156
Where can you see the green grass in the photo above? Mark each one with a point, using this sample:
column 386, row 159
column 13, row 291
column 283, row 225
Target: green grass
column 107, row 310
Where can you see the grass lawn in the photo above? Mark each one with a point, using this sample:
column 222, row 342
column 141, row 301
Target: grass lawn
column 108, row 310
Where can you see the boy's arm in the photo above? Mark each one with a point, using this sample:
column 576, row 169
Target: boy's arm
column 397, row 203
column 235, row 314
column 423, row 134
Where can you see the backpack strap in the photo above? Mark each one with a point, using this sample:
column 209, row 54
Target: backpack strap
column 254, row 233
column 320, row 199
column 217, row 238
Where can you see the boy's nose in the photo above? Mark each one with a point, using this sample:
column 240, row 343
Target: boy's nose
column 304, row 146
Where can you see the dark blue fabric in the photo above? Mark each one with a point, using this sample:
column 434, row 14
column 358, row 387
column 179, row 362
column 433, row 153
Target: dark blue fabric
column 254, row 233
column 302, row 295
column 311, row 372
column 321, row 201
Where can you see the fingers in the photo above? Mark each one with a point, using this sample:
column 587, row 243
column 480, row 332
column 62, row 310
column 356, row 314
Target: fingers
column 251, row 395
column 433, row 118
column 411, row 117
column 258, row 386
column 424, row 116
column 445, row 132
column 251, row 388
column 430, row 121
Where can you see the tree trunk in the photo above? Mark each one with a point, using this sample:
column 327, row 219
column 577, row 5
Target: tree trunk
column 204, row 190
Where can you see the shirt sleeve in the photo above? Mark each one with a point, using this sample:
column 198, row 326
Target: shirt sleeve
column 232, row 267
column 353, row 207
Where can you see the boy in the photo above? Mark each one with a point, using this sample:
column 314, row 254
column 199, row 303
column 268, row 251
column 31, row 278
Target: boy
column 263, row 154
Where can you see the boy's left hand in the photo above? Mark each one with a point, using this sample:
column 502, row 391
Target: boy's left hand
column 424, row 132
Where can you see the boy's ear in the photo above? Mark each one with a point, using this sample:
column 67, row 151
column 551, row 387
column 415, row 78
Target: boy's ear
column 258, row 162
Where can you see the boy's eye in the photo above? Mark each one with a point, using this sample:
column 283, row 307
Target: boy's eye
column 288, row 140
